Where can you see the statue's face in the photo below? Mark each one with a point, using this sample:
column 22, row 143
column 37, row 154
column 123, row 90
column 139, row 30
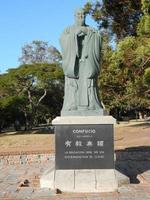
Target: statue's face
column 80, row 17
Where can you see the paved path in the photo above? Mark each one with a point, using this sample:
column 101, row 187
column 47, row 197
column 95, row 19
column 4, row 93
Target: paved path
column 22, row 182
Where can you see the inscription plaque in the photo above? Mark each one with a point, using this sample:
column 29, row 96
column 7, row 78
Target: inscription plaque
column 84, row 146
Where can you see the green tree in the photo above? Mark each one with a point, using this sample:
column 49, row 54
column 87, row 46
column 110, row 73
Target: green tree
column 27, row 87
column 124, row 80
column 144, row 25
column 125, row 74
column 147, row 77
column 39, row 52
column 118, row 17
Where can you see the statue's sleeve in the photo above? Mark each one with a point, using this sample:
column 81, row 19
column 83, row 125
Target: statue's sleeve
column 68, row 44
column 94, row 43
column 97, row 50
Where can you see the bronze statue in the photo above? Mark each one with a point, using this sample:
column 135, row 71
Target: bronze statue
column 81, row 53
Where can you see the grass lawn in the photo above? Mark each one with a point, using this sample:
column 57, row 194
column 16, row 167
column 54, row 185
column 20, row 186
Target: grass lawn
column 132, row 134
column 26, row 141
column 126, row 135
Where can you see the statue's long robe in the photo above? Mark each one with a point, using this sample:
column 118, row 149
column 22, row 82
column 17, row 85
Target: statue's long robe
column 84, row 67
column 91, row 52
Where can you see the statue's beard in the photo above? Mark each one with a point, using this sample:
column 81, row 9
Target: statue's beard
column 80, row 22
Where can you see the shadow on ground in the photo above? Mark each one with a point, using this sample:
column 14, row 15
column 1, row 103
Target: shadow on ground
column 133, row 161
column 41, row 130
column 145, row 124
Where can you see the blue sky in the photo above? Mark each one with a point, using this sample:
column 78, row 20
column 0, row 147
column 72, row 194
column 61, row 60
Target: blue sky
column 22, row 21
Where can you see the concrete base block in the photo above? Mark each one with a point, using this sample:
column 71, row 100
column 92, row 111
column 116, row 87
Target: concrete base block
column 63, row 120
column 122, row 179
column 101, row 180
column 106, row 180
column 85, row 181
column 47, row 179
column 64, row 180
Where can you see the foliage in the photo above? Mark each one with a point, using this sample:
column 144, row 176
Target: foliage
column 39, row 52
column 119, row 17
column 144, row 25
column 147, row 77
column 24, row 89
column 125, row 74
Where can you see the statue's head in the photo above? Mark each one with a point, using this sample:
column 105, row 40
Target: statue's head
column 80, row 17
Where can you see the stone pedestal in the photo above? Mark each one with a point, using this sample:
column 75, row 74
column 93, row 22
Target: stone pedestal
column 84, row 160
column 84, row 142
column 99, row 180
